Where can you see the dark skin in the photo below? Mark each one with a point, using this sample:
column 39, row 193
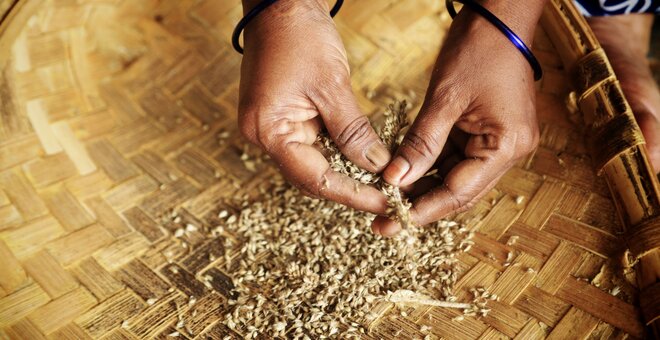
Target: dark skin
column 471, row 96
column 295, row 79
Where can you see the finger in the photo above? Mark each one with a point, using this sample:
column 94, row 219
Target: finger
column 433, row 206
column 385, row 227
column 449, row 157
column 305, row 132
column 388, row 228
column 422, row 144
column 443, row 201
column 468, row 181
column 422, row 186
column 378, row 223
column 349, row 128
column 269, row 127
column 306, row 168
column 438, row 172
column 487, row 160
column 448, row 163
column 452, row 154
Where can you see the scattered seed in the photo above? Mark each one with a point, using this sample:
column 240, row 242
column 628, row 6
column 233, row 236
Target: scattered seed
column 512, row 240
column 320, row 265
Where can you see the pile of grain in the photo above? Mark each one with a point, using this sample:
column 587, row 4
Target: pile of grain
column 310, row 268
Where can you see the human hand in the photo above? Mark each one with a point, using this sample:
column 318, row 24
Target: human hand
column 482, row 88
column 294, row 80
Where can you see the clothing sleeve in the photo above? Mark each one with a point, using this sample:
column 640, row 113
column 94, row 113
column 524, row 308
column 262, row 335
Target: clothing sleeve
column 616, row 7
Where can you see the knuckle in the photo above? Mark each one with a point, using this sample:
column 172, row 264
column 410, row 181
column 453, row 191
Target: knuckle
column 312, row 187
column 505, row 154
column 331, row 81
column 529, row 139
column 536, row 137
column 461, row 200
column 447, row 92
column 334, row 68
column 356, row 132
column 337, row 79
column 463, row 204
column 421, row 143
column 458, row 202
column 256, row 130
column 468, row 205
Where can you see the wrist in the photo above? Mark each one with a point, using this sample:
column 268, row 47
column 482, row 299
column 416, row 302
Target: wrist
column 520, row 16
column 483, row 27
column 282, row 13
column 279, row 17
column 286, row 5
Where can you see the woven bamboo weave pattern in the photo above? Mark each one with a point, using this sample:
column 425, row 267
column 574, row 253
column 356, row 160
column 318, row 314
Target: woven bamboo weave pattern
column 117, row 113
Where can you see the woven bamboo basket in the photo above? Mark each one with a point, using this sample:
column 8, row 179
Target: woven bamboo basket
column 115, row 113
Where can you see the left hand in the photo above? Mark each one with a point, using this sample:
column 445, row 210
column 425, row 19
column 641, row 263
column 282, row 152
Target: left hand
column 481, row 87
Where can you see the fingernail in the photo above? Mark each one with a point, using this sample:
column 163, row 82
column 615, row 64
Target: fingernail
column 378, row 155
column 396, row 170
column 390, row 229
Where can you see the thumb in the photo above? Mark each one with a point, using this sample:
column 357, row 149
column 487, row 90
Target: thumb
column 349, row 128
column 422, row 144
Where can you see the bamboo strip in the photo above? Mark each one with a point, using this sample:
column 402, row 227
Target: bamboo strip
column 410, row 297
column 625, row 165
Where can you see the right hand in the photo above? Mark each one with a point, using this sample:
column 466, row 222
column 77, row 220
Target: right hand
column 294, row 80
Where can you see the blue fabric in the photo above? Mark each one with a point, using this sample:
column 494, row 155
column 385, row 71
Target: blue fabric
column 614, row 7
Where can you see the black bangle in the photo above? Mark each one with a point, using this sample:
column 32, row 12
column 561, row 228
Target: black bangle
column 473, row 5
column 255, row 11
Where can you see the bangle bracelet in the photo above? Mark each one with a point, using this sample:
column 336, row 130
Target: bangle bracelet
column 255, row 11
column 520, row 45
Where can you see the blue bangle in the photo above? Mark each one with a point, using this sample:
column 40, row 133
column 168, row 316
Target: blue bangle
column 520, row 45
column 254, row 12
